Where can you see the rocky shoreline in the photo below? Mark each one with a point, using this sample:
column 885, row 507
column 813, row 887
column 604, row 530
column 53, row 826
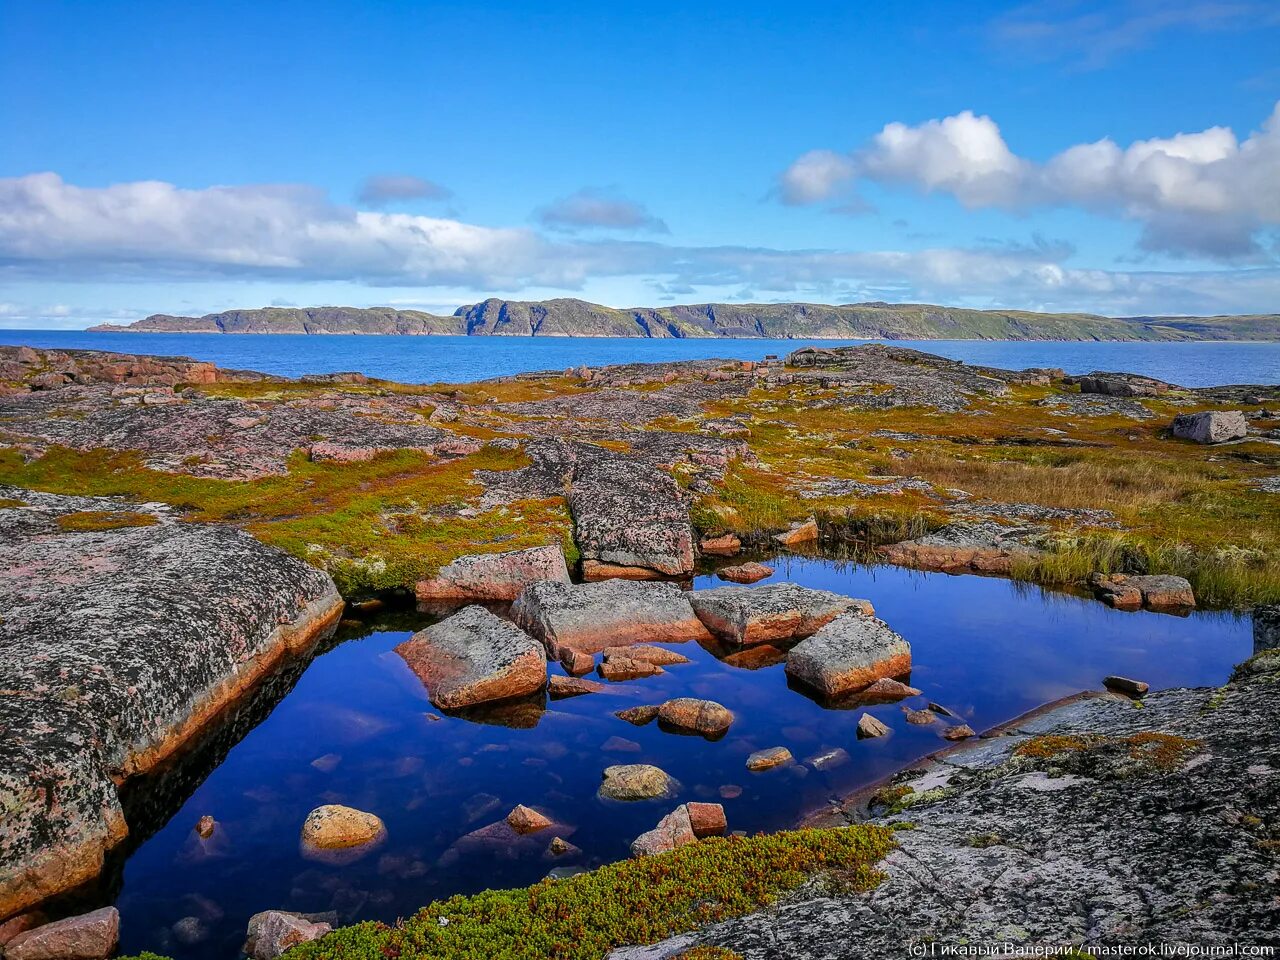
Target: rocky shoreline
column 1098, row 822
column 118, row 644
column 173, row 534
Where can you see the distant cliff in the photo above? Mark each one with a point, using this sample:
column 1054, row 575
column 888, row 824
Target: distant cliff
column 577, row 318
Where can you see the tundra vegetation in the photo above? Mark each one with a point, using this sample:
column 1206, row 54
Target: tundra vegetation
column 861, row 439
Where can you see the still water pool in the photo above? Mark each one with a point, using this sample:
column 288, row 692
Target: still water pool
column 357, row 729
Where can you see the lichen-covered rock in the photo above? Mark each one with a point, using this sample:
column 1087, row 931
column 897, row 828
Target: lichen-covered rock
column 849, row 653
column 776, row 612
column 116, row 647
column 1091, row 823
column 629, row 520
column 588, row 617
column 706, row 718
column 1212, row 426
column 1153, row 591
column 637, row 781
column 977, row 546
column 475, row 657
column 494, row 576
column 273, row 932
column 674, row 830
column 90, row 936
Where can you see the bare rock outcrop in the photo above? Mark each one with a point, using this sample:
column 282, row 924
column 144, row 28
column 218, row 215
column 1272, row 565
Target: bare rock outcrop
column 745, row 616
column 1152, row 591
column 1212, row 426
column 588, row 617
column 116, row 647
column 849, row 653
column 475, row 657
column 494, row 576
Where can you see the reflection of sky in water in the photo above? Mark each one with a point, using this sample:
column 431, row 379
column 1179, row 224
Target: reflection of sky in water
column 986, row 648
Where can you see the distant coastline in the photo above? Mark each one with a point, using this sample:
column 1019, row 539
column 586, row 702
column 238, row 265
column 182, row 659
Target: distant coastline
column 799, row 321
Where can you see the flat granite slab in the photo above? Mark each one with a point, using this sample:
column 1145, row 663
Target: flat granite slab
column 116, row 646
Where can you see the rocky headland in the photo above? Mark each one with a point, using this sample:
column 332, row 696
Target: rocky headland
column 567, row 317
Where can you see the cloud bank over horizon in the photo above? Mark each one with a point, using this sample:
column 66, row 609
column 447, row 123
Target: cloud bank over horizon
column 1205, row 194
column 1207, row 197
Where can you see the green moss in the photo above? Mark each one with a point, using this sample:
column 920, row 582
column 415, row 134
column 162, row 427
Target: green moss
column 380, row 524
column 9, row 503
column 91, row 521
column 635, row 901
column 982, row 841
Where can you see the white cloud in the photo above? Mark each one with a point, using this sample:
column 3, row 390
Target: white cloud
column 815, row 176
column 73, row 238
column 592, row 208
column 1200, row 194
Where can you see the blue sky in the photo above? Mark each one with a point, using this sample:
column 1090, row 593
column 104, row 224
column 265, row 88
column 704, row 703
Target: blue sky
column 1117, row 157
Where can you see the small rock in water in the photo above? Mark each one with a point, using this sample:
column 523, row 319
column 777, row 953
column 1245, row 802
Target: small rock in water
column 576, row 662
column 869, row 726
column 329, row 762
column 674, row 830
column 829, row 759
column 561, row 688
column 560, row 847
column 190, row 931
column 960, row 731
column 205, row 827
column 638, row 716
column 919, row 716
column 335, row 827
column 524, row 819
column 646, row 653
column 706, row 819
column 806, row 532
column 637, row 781
column 888, row 689
column 730, row 791
column 940, row 710
column 273, row 932
column 690, row 715
column 768, row 759
column 1134, row 688
column 722, row 546
column 90, row 936
column 745, row 572
column 617, row 669
column 620, row 745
